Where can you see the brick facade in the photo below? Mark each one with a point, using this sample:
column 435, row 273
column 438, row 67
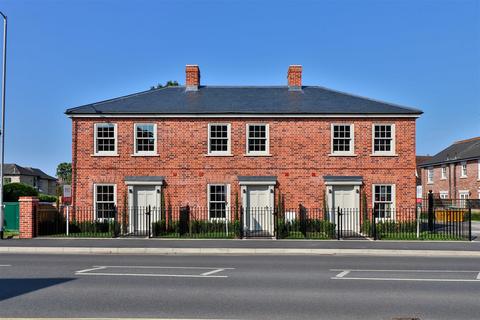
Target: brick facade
column 454, row 183
column 299, row 156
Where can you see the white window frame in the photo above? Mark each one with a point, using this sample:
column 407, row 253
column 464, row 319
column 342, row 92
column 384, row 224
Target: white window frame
column 430, row 178
column 95, row 198
column 145, row 153
column 393, row 141
column 267, row 140
column 393, row 215
column 463, row 173
column 443, row 194
column 115, row 133
column 227, row 201
column 443, row 171
column 229, row 143
column 352, row 140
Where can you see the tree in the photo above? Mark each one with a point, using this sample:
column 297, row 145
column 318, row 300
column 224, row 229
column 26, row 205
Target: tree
column 64, row 172
column 169, row 83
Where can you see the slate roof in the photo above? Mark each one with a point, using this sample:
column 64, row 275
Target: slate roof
column 458, row 151
column 12, row 169
column 253, row 100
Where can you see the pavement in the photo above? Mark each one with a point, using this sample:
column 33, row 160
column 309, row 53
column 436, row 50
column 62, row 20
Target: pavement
column 243, row 247
column 238, row 287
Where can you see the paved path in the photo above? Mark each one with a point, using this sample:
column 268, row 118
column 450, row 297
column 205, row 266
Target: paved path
column 239, row 287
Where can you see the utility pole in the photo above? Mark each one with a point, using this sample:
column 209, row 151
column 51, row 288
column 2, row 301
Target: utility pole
column 2, row 130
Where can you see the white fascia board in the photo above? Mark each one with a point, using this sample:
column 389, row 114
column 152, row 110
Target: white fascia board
column 243, row 116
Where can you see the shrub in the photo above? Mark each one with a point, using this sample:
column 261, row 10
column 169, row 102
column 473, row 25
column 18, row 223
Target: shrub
column 12, row 191
column 47, row 198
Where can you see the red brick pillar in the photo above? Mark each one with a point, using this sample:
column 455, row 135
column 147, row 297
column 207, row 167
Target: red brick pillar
column 28, row 209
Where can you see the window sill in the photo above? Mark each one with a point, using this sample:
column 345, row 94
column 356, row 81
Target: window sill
column 218, row 155
column 463, row 177
column 384, row 155
column 257, row 155
column 342, row 155
column 105, row 155
column 144, row 155
column 430, row 183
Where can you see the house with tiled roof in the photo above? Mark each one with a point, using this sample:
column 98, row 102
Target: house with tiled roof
column 31, row 176
column 454, row 172
column 207, row 146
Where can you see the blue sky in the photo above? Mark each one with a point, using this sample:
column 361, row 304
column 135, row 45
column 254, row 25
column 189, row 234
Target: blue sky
column 64, row 54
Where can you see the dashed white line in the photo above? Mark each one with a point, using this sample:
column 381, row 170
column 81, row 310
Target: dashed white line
column 5, row 265
column 212, row 272
column 149, row 275
column 91, row 269
column 342, row 274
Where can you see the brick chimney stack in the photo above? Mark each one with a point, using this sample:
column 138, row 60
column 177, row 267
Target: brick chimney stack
column 192, row 74
column 294, row 77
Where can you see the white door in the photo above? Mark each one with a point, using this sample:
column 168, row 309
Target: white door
column 259, row 215
column 345, row 202
column 145, row 201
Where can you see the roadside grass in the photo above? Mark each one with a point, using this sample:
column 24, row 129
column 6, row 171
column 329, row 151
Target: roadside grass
column 475, row 215
column 8, row 234
column 423, row 236
column 310, row 235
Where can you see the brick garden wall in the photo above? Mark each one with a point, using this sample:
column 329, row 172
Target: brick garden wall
column 299, row 158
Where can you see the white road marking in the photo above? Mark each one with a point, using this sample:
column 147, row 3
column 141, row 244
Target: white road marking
column 212, row 272
column 406, row 270
column 5, row 265
column 342, row 274
column 91, row 269
column 166, row 267
column 150, row 275
column 207, row 274
column 407, row 279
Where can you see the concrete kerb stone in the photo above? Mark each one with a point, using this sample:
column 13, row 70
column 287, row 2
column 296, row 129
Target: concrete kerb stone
column 236, row 251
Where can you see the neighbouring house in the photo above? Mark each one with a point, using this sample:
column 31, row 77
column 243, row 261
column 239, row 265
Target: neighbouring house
column 420, row 160
column 207, row 146
column 454, row 172
column 31, row 176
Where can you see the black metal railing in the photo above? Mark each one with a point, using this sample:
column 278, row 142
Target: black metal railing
column 237, row 222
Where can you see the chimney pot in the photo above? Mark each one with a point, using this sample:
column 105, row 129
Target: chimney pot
column 192, row 77
column 294, row 77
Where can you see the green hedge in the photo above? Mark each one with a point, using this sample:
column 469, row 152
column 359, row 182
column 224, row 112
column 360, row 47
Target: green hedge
column 12, row 191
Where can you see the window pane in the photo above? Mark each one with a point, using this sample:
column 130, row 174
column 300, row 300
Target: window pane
column 341, row 138
column 257, row 138
column 218, row 138
column 105, row 137
column 217, row 201
column 145, row 137
column 383, row 138
column 105, row 201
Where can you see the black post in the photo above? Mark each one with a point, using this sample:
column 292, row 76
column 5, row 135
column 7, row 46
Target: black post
column 338, row 223
column 275, row 221
column 303, row 219
column 241, row 223
column 149, row 218
column 430, row 211
column 470, row 223
column 374, row 224
column 115, row 221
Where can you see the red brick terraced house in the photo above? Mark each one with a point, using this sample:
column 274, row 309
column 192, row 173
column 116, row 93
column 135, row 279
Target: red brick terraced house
column 208, row 146
column 454, row 173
